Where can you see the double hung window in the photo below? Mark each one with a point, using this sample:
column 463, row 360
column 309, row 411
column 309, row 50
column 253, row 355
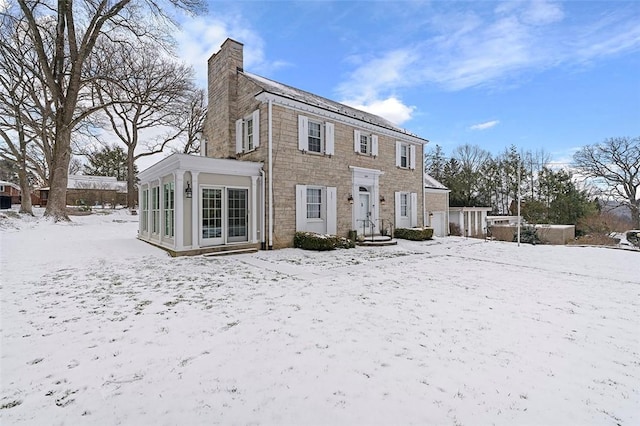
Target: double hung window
column 248, row 132
column 405, row 155
column 315, row 136
column 365, row 143
column 314, row 203
column 155, row 209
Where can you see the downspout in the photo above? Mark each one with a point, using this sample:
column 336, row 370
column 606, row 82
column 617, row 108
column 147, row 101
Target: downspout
column 263, row 234
column 270, row 247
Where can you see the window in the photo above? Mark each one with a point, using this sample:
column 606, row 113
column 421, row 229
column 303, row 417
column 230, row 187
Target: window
column 405, row 155
column 1, row 188
column 316, row 209
column 314, row 203
column 169, row 191
column 248, row 132
column 315, row 136
column 144, row 219
column 155, row 209
column 404, row 205
column 365, row 143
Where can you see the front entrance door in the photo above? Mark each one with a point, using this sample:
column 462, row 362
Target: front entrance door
column 364, row 213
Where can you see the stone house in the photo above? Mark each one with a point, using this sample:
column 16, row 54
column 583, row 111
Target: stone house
column 277, row 160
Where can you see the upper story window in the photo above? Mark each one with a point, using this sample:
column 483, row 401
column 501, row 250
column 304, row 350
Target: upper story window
column 316, row 139
column 248, row 132
column 405, row 155
column 365, row 143
column 315, row 136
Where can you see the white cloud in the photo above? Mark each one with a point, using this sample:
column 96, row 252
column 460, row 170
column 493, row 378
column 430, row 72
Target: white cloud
column 391, row 108
column 201, row 37
column 485, row 125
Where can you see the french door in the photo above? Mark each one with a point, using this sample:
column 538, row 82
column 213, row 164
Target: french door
column 224, row 215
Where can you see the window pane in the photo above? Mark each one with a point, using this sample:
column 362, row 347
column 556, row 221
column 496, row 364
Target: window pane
column 364, row 144
column 403, row 156
column 315, row 137
column 403, row 205
column 314, row 203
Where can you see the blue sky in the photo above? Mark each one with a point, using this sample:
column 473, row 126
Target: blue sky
column 541, row 75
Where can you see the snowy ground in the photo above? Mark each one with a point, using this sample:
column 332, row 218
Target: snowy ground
column 100, row 328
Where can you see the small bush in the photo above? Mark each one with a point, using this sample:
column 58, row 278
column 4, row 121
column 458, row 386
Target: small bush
column 313, row 241
column 414, row 234
column 528, row 234
column 454, row 229
column 633, row 237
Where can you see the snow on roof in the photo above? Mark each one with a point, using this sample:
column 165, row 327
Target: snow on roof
column 320, row 102
column 11, row 184
column 96, row 182
column 430, row 182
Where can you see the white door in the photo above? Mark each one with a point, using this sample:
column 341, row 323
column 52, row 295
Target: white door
column 211, row 216
column 364, row 213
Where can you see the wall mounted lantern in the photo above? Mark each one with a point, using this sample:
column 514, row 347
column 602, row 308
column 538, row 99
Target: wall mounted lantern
column 188, row 191
column 382, row 200
column 350, row 199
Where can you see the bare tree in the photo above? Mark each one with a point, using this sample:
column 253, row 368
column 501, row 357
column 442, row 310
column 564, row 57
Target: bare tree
column 195, row 115
column 615, row 163
column 146, row 104
column 63, row 65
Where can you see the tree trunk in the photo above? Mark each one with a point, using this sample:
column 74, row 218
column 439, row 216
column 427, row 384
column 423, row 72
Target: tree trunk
column 131, row 180
column 25, row 190
column 57, row 202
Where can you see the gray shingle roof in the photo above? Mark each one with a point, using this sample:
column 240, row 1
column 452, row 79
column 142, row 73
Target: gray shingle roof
column 276, row 88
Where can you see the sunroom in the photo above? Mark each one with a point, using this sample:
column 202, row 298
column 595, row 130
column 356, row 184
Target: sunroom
column 195, row 205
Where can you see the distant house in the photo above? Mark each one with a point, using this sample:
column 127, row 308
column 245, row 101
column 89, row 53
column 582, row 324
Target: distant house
column 277, row 160
column 9, row 194
column 91, row 191
column 436, row 204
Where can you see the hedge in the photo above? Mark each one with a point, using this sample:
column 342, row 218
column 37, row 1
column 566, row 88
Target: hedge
column 414, row 234
column 313, row 241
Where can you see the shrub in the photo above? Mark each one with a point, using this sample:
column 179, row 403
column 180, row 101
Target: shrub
column 414, row 234
column 313, row 241
column 528, row 234
column 633, row 237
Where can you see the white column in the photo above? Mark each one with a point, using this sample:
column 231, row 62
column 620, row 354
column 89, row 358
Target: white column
column 178, row 236
column 160, row 209
column 195, row 213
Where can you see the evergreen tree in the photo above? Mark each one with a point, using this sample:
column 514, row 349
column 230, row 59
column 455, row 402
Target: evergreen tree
column 110, row 161
column 434, row 162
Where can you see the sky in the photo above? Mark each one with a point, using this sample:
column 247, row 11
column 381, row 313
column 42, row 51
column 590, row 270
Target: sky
column 541, row 75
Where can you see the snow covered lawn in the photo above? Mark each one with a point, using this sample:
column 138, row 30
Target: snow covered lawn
column 100, row 328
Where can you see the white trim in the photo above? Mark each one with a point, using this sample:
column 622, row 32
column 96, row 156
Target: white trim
column 309, row 109
column 196, row 163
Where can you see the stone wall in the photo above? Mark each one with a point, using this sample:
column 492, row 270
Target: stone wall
column 548, row 234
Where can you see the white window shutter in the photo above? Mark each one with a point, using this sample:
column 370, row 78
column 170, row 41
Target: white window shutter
column 412, row 156
column 329, row 138
column 303, row 133
column 398, row 210
column 239, row 136
column 332, row 211
column 256, row 128
column 356, row 140
column 398, row 151
column 414, row 209
column 374, row 145
column 301, row 207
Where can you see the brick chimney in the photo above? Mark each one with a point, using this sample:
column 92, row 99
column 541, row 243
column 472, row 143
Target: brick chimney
column 222, row 75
